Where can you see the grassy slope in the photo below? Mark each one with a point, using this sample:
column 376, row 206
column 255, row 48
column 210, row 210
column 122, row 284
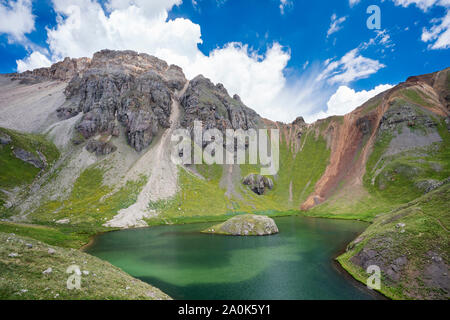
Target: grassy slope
column 394, row 196
column 395, row 184
column 426, row 230
column 15, row 172
column 205, row 200
column 22, row 277
column 88, row 207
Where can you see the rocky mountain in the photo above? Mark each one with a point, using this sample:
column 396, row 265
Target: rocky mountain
column 212, row 105
column 86, row 145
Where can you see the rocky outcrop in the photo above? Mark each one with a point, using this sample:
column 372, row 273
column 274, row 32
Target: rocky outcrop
column 100, row 148
column 258, row 184
column 4, row 139
column 405, row 114
column 134, row 90
column 404, row 118
column 28, row 157
column 429, row 185
column 246, row 225
column 212, row 105
column 63, row 71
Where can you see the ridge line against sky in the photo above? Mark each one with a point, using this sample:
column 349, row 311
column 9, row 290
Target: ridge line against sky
column 285, row 58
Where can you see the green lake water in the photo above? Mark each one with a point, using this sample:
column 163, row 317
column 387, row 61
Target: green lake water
column 297, row 263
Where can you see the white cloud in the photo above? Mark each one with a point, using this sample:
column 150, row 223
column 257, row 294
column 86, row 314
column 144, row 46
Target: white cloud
column 257, row 79
column 33, row 61
column 16, row 19
column 422, row 4
column 353, row 2
column 352, row 66
column 150, row 8
column 336, row 24
column 345, row 100
column 382, row 38
column 83, row 28
column 284, row 4
column 439, row 33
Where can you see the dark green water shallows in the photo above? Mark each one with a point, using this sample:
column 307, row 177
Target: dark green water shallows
column 297, row 263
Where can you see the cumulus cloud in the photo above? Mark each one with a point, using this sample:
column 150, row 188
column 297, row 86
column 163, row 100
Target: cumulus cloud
column 84, row 28
column 16, row 19
column 258, row 79
column 352, row 66
column 345, row 100
column 33, row 61
column 336, row 24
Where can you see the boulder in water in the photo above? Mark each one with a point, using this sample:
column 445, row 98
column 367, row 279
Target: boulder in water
column 245, row 225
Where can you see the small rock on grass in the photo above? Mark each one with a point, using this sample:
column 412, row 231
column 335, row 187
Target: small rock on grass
column 13, row 255
column 51, row 251
column 48, row 271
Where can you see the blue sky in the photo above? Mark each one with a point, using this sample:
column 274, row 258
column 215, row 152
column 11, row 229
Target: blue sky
column 281, row 56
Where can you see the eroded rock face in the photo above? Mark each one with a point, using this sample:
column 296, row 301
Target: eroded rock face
column 212, row 105
column 405, row 114
column 134, row 90
column 246, row 225
column 429, row 185
column 258, row 184
column 4, row 139
column 392, row 266
column 28, row 157
column 100, row 148
column 63, row 71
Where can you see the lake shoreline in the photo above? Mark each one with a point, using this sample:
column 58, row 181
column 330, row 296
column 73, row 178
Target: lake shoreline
column 332, row 261
column 339, row 265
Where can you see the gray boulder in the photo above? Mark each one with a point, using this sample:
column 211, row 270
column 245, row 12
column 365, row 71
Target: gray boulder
column 100, row 148
column 4, row 139
column 429, row 185
column 258, row 184
column 246, row 225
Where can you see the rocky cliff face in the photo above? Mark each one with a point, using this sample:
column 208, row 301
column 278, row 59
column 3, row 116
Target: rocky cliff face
column 212, row 105
column 404, row 118
column 63, row 71
column 126, row 88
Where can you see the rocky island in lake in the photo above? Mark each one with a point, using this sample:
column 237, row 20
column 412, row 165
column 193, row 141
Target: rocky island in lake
column 245, row 225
